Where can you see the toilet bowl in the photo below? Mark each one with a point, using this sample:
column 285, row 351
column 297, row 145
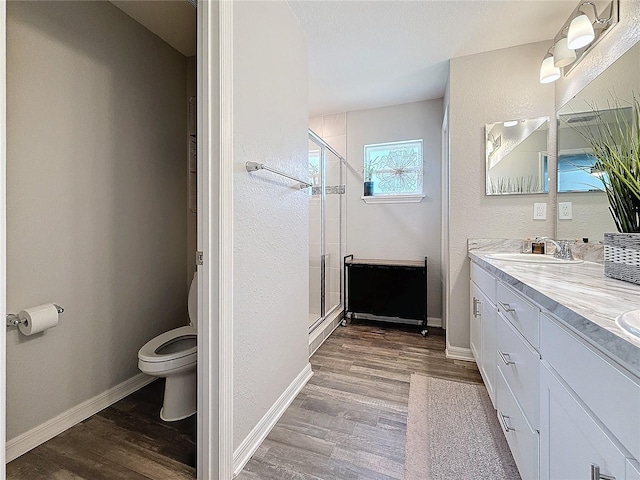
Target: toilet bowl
column 174, row 355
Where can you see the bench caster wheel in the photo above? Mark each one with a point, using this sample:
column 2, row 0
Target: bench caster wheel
column 424, row 332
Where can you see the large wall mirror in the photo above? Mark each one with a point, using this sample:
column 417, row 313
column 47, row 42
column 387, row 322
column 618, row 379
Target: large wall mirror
column 579, row 183
column 516, row 157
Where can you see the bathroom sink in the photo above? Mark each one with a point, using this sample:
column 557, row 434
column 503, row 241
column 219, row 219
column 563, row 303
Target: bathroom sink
column 630, row 322
column 530, row 258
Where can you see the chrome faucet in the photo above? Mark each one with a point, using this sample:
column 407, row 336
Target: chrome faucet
column 563, row 247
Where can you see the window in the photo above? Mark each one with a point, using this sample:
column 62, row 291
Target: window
column 578, row 172
column 393, row 171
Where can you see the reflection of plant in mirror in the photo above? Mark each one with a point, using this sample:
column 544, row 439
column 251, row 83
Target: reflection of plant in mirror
column 530, row 184
column 616, row 146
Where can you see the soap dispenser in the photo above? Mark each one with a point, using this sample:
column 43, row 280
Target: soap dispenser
column 538, row 247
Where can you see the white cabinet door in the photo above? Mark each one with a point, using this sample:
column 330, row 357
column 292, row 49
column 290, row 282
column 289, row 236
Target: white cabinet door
column 489, row 345
column 572, row 443
column 483, row 337
column 475, row 316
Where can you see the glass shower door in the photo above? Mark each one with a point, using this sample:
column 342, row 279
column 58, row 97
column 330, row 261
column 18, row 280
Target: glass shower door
column 315, row 233
column 332, row 231
column 326, row 245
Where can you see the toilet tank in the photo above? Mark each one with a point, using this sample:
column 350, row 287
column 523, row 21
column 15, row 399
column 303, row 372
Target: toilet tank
column 193, row 301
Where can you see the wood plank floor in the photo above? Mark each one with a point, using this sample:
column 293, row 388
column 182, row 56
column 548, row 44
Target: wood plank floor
column 350, row 421
column 127, row 440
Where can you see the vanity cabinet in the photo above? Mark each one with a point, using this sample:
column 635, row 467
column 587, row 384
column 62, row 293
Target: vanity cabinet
column 482, row 316
column 568, row 410
column 573, row 443
column 590, row 409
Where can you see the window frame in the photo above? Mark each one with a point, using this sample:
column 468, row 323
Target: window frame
column 391, row 197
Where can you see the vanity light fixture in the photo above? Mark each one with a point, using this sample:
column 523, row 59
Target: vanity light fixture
column 510, row 123
column 548, row 71
column 562, row 54
column 577, row 36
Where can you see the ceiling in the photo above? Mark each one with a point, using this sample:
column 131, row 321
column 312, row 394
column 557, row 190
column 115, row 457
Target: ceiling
column 366, row 54
column 174, row 21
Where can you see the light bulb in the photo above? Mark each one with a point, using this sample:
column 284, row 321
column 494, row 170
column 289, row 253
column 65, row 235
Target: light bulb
column 548, row 71
column 510, row 123
column 580, row 32
column 562, row 54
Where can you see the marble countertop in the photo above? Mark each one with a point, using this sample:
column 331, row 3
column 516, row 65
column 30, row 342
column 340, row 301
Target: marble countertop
column 581, row 296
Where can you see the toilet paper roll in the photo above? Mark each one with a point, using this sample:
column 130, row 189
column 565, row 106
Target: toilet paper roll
column 38, row 318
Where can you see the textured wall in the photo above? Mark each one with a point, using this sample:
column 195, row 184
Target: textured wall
column 271, row 217
column 408, row 231
column 488, row 88
column 96, row 195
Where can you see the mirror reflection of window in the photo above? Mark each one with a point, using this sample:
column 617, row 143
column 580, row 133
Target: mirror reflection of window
column 577, row 167
column 516, row 157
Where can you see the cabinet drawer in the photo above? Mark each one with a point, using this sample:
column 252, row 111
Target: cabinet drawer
column 520, row 366
column 610, row 393
column 522, row 439
column 485, row 281
column 520, row 312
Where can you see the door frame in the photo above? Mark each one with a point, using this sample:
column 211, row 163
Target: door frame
column 215, row 239
column 3, row 232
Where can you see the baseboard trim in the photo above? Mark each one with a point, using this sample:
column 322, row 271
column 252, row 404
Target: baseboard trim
column 38, row 435
column 458, row 353
column 250, row 444
column 323, row 332
column 435, row 322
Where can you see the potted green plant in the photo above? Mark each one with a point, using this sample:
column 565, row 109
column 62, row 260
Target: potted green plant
column 615, row 141
column 370, row 167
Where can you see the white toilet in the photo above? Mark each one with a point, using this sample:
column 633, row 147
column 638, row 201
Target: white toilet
column 174, row 356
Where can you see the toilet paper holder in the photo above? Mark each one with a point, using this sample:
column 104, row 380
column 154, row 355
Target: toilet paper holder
column 13, row 320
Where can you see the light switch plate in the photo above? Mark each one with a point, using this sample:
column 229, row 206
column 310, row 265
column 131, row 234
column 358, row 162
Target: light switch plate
column 565, row 211
column 539, row 211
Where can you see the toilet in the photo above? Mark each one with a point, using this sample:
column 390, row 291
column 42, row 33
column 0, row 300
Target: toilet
column 174, row 355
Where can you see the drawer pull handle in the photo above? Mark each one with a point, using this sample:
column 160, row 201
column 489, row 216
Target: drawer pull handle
column 506, row 307
column 506, row 358
column 596, row 475
column 505, row 425
column 476, row 303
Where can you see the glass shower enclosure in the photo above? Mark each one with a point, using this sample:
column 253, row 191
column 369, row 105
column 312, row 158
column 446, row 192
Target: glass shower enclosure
column 326, row 230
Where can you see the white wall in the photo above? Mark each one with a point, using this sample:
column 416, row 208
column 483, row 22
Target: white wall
column 398, row 231
column 488, row 88
column 271, row 218
column 96, row 195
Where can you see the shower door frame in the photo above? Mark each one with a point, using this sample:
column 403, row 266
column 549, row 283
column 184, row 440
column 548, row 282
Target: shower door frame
column 324, row 146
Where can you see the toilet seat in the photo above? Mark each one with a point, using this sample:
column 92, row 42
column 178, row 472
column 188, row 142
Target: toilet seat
column 153, row 360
